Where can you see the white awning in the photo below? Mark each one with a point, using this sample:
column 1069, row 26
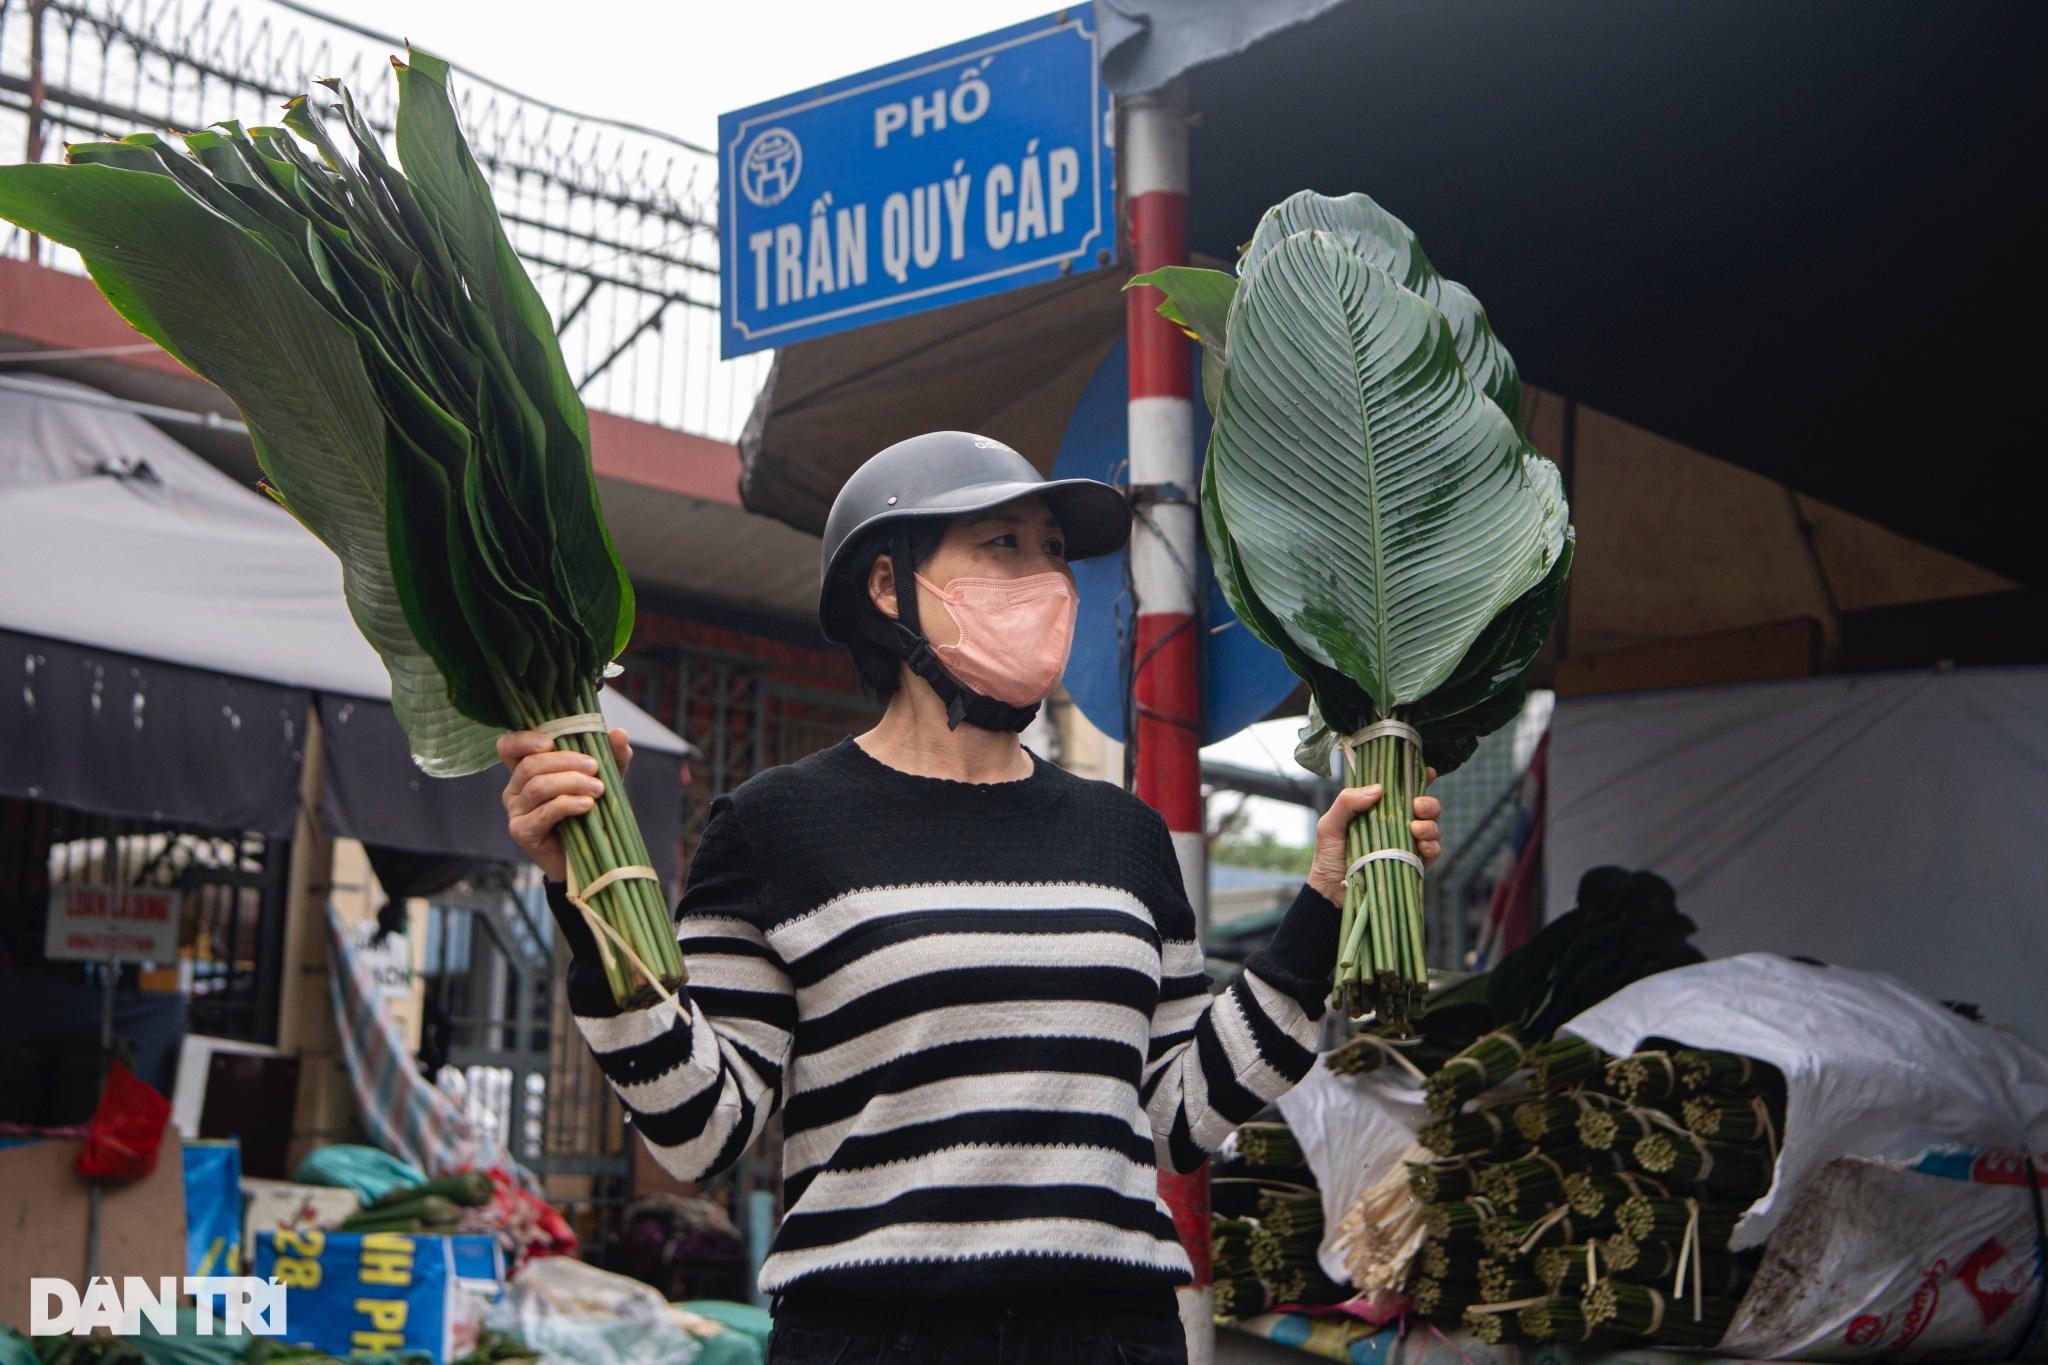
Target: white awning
column 114, row 535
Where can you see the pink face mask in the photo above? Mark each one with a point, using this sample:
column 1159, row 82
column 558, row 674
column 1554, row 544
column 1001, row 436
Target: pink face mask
column 1014, row 633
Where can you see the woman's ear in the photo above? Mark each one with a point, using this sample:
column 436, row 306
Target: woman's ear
column 882, row 585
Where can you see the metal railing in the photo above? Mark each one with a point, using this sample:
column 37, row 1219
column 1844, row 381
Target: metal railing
column 231, row 900
column 617, row 223
column 489, row 984
column 741, row 720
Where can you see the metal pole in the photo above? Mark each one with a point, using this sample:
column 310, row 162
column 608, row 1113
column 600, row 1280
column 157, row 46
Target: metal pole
column 37, row 90
column 92, row 1225
column 1167, row 674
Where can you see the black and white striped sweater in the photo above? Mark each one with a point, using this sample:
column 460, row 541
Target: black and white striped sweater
column 982, row 1013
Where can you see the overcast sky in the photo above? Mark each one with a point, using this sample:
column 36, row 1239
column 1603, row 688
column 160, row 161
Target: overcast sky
column 676, row 65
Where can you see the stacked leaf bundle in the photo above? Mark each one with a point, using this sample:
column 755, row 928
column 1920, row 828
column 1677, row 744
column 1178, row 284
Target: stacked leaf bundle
column 407, row 399
column 436, row 1206
column 1239, row 1292
column 1267, row 1227
column 1377, row 516
column 1579, row 1197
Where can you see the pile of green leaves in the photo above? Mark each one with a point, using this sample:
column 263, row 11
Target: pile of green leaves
column 406, row 395
column 435, row 1206
column 1376, row 515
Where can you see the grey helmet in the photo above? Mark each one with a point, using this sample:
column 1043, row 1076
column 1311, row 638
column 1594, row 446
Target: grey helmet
column 944, row 474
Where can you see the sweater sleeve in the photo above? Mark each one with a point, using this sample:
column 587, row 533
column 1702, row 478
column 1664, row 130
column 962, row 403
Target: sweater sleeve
column 701, row 1076
column 1217, row 1060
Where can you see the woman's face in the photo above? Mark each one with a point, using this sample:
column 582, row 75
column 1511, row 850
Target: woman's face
column 1016, row 540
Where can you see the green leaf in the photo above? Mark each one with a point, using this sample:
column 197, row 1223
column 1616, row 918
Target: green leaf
column 1198, row 301
column 126, row 155
column 1383, row 511
column 1503, row 651
column 1486, row 690
column 216, row 297
column 1482, row 694
column 1387, row 242
column 1346, row 700
column 455, row 196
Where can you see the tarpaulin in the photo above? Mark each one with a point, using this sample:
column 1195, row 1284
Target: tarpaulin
column 213, row 1207
column 401, row 1112
column 1890, row 822
column 373, row 792
column 169, row 627
column 1146, row 43
column 368, row 1293
column 119, row 734
column 1871, row 1068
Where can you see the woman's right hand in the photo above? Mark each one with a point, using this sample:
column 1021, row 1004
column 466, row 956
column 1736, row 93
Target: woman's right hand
column 548, row 785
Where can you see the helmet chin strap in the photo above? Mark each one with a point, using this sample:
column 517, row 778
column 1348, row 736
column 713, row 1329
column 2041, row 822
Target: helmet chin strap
column 905, row 638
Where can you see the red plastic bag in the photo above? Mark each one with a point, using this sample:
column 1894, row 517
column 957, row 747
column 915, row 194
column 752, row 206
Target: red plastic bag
column 126, row 1130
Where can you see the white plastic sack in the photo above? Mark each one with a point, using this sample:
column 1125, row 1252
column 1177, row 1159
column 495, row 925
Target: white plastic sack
column 576, row 1314
column 1352, row 1129
column 1871, row 1067
column 1878, row 1260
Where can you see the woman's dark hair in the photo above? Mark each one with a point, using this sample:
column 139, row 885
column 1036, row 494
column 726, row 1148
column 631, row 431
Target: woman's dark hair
column 876, row 666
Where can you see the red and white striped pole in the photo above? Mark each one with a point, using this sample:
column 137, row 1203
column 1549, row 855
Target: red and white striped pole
column 1167, row 679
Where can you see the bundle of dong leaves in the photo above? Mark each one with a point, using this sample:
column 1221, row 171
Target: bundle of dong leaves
column 1571, row 1195
column 1376, row 515
column 406, row 395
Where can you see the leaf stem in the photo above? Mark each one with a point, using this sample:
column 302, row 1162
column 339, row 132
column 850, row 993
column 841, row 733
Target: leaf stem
column 605, row 838
column 1382, row 958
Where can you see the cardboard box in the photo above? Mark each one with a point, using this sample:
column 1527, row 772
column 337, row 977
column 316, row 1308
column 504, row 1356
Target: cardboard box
column 281, row 1206
column 45, row 1207
column 375, row 1292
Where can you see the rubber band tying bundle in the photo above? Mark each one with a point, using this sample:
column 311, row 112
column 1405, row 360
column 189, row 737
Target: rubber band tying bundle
column 579, row 896
column 582, row 723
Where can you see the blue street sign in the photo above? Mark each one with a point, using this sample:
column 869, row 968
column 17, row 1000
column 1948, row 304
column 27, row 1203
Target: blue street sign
column 962, row 172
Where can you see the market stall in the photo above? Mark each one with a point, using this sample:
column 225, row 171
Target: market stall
column 208, row 620
column 1741, row 417
column 196, row 717
column 198, row 710
column 178, row 641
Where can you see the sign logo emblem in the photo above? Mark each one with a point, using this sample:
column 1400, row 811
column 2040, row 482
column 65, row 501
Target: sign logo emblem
column 769, row 171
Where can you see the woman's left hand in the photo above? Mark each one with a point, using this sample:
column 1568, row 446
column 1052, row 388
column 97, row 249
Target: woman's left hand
column 1326, row 871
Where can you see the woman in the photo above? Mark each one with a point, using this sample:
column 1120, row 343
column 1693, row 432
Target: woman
column 968, row 979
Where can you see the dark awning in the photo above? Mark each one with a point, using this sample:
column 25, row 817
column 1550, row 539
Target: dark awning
column 372, row 791
column 1797, row 237
column 204, row 620
column 120, row 735
column 1800, row 237
column 1011, row 366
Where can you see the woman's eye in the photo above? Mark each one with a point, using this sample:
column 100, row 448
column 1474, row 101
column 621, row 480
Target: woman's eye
column 1007, row 542
column 1056, row 548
